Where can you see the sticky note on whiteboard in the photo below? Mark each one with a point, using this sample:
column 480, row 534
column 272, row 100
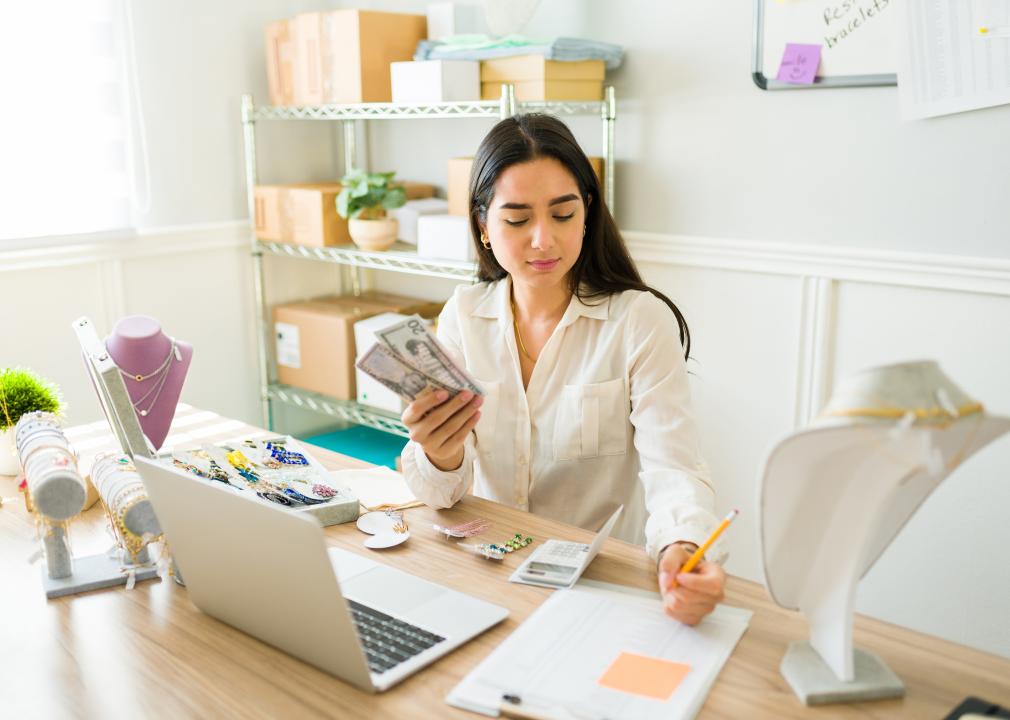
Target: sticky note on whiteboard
column 650, row 677
column 799, row 64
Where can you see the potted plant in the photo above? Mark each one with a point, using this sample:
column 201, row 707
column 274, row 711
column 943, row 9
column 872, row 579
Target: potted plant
column 363, row 201
column 21, row 391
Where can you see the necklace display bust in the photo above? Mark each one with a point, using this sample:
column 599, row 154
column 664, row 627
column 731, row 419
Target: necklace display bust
column 154, row 367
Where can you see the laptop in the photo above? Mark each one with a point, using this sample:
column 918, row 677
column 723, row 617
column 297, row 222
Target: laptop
column 267, row 572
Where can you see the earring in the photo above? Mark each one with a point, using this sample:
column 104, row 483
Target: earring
column 584, row 230
column 485, row 242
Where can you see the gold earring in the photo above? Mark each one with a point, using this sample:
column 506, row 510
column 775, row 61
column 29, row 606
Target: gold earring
column 485, row 242
column 584, row 230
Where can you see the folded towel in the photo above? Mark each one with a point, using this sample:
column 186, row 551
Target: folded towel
column 482, row 47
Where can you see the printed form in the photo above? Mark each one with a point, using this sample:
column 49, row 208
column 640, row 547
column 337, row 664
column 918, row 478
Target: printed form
column 954, row 55
column 591, row 653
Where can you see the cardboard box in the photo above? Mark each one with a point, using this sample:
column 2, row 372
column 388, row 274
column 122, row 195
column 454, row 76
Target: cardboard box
column 458, row 182
column 267, row 204
column 446, row 237
column 309, row 215
column 416, row 190
column 315, row 346
column 357, row 48
column 308, row 57
column 381, row 302
column 409, row 213
column 536, row 78
column 279, row 54
column 369, row 390
column 537, row 90
column 315, row 338
column 435, row 81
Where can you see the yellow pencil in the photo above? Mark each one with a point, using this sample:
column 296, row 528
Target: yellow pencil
column 700, row 552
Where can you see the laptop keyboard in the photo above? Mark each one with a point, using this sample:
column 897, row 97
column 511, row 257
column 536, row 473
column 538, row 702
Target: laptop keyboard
column 388, row 641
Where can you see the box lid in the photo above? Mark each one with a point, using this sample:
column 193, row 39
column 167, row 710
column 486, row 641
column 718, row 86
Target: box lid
column 324, row 308
column 536, row 67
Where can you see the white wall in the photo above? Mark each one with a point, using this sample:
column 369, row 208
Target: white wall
column 763, row 207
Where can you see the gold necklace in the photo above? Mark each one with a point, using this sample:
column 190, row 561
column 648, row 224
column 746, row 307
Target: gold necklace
column 515, row 323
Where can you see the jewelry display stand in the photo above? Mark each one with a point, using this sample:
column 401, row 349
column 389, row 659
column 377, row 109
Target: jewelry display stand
column 56, row 492
column 835, row 495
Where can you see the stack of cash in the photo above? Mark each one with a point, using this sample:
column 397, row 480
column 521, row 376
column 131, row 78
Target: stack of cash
column 410, row 361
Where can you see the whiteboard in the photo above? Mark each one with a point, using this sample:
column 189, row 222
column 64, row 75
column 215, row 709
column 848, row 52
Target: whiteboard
column 857, row 39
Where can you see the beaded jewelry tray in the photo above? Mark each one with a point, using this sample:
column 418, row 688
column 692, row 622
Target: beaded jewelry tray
column 278, row 470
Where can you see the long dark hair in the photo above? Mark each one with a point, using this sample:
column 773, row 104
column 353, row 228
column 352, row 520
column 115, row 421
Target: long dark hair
column 604, row 266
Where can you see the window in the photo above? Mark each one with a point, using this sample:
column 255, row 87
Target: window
column 63, row 128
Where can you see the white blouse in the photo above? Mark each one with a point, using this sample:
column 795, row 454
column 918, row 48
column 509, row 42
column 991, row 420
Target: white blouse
column 606, row 419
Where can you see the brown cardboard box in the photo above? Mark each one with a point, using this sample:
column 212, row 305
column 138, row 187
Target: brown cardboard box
column 315, row 338
column 280, row 50
column 389, row 302
column 458, row 183
column 416, row 190
column 308, row 58
column 315, row 346
column 357, row 47
column 536, row 78
column 267, row 202
column 309, row 215
column 535, row 90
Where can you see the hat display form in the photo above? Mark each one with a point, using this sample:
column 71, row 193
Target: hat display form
column 834, row 495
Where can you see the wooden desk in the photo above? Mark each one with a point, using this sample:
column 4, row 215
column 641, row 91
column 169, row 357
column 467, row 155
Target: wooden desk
column 149, row 653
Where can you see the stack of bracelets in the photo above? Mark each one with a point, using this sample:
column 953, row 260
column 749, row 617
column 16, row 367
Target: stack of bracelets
column 55, row 489
column 126, row 504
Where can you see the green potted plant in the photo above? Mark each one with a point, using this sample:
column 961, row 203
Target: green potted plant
column 363, row 201
column 21, row 391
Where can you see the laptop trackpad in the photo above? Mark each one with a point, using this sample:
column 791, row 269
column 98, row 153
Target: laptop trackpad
column 394, row 592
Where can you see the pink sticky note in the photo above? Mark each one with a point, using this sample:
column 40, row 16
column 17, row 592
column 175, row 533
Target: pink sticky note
column 799, row 63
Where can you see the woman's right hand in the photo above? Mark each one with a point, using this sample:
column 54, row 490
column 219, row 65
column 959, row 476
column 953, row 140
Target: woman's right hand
column 440, row 425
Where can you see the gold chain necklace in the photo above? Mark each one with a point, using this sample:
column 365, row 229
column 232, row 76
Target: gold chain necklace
column 515, row 323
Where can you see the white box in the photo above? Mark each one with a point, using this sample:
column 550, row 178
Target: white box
column 446, row 19
column 446, row 237
column 435, row 81
column 371, row 391
column 411, row 211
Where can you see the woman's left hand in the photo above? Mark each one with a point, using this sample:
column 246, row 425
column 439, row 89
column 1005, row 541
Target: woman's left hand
column 689, row 597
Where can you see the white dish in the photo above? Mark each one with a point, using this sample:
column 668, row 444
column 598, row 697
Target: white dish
column 375, row 523
column 386, row 539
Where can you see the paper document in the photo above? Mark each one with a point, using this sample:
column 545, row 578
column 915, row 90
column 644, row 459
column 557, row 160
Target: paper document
column 593, row 653
column 953, row 56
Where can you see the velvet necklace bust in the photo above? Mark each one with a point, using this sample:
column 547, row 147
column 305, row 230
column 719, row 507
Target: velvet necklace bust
column 154, row 367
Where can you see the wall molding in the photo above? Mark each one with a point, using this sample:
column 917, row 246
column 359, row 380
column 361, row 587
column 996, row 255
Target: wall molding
column 920, row 270
column 116, row 247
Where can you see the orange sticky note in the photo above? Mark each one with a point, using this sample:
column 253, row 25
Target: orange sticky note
column 643, row 675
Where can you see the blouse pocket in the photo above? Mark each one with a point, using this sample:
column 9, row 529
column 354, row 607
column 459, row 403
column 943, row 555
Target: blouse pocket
column 487, row 426
column 592, row 421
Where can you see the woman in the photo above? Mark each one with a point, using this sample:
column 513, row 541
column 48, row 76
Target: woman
column 586, row 403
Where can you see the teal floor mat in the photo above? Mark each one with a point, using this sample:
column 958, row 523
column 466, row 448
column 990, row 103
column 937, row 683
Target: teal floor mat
column 364, row 443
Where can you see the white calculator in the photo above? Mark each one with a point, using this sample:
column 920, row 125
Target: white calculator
column 559, row 563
